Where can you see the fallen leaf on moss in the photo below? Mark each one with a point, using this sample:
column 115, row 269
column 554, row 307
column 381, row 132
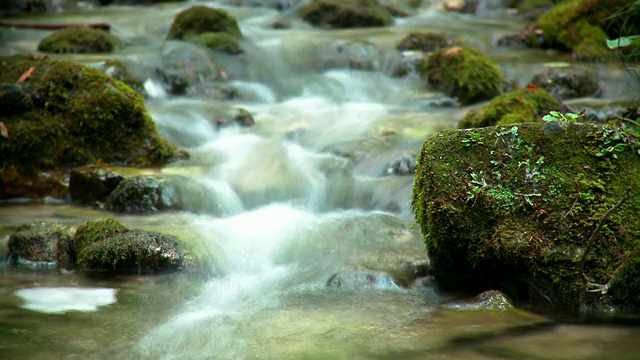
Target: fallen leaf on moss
column 453, row 51
column 26, row 75
column 3, row 130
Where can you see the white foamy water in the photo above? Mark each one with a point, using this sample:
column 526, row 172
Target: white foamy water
column 58, row 300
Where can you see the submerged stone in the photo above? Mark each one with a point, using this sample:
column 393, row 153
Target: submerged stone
column 525, row 212
column 567, row 84
column 487, row 300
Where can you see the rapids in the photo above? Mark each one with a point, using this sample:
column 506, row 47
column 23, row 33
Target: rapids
column 277, row 209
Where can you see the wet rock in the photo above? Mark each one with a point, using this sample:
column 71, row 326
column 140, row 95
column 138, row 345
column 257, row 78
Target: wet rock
column 79, row 39
column 424, row 41
column 91, row 184
column 511, row 214
column 13, row 100
column 488, row 300
column 107, row 246
column 280, row 5
column 405, row 165
column 567, row 84
column 187, row 65
column 80, row 115
column 42, row 245
column 236, row 116
column 357, row 55
column 399, row 8
column 524, row 105
column 463, row 73
column 119, row 71
column 141, row 194
column 345, row 13
column 413, row 274
column 363, row 279
column 210, row 27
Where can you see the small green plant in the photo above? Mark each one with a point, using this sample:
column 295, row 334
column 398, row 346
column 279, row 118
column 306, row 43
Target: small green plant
column 558, row 116
column 473, row 139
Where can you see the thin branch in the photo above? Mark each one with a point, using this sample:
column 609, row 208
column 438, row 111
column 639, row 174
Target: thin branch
column 101, row 26
column 593, row 236
column 628, row 120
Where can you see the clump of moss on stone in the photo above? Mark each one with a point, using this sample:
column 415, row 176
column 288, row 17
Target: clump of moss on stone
column 464, row 73
column 80, row 116
column 515, row 213
column 79, row 39
column 207, row 26
column 581, row 26
column 424, row 41
column 107, row 245
column 523, row 105
column 345, row 13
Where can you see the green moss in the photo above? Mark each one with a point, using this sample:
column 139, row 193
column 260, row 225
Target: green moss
column 79, row 39
column 515, row 213
column 463, row 72
column 580, row 25
column 218, row 41
column 345, row 13
column 200, row 19
column 80, row 116
column 96, row 231
column 524, row 105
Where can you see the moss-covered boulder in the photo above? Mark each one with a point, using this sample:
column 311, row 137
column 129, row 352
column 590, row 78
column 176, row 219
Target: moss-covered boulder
column 79, row 39
column 92, row 184
column 107, row 246
column 207, row 26
column 141, row 194
column 567, row 84
column 547, row 213
column 582, row 26
column 80, row 116
column 345, row 13
column 523, row 105
column 42, row 244
column 464, row 73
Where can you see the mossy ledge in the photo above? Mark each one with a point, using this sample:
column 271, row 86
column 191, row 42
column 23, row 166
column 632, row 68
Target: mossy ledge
column 207, row 26
column 512, row 208
column 80, row 116
column 79, row 39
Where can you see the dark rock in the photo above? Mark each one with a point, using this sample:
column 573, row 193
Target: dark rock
column 91, row 184
column 424, row 41
column 42, row 244
column 357, row 55
column 141, row 194
column 567, row 84
column 345, row 13
column 363, row 279
column 236, row 116
column 13, row 100
column 405, row 165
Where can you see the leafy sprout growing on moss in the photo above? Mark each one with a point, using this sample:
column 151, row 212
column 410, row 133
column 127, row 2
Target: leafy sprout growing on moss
column 558, row 116
column 473, row 138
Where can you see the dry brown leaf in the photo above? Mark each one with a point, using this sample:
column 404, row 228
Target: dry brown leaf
column 453, row 51
column 26, row 75
column 3, row 130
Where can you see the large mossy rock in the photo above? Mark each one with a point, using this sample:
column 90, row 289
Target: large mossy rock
column 80, row 116
column 42, row 244
column 514, row 209
column 107, row 246
column 345, row 13
column 582, row 26
column 141, row 194
column 524, row 105
column 79, row 39
column 207, row 26
column 464, row 73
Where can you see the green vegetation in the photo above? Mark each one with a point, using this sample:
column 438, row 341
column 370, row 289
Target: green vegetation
column 464, row 73
column 345, row 13
column 558, row 116
column 524, row 105
column 79, row 39
column 517, row 212
column 80, row 116
column 207, row 26
column 627, row 40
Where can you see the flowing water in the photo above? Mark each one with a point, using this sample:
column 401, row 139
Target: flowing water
column 278, row 209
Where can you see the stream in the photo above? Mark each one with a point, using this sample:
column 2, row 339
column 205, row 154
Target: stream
column 294, row 216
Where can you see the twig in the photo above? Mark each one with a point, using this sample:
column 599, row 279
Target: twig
column 587, row 250
column 628, row 120
column 101, row 26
